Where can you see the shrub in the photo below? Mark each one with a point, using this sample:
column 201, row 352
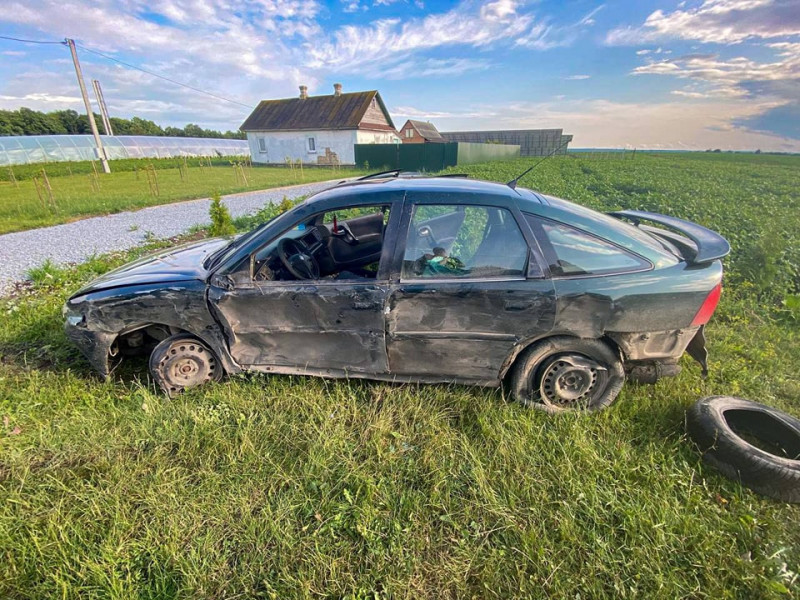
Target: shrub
column 221, row 220
column 285, row 205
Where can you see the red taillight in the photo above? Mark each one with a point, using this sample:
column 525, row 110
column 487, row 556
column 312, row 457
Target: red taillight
column 709, row 306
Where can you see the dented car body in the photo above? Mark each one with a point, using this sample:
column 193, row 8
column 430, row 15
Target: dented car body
column 428, row 279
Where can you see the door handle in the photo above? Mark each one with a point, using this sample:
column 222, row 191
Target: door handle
column 366, row 305
column 517, row 305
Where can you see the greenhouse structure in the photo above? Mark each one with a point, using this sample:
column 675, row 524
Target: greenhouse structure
column 18, row 150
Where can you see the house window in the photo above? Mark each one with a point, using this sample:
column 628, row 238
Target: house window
column 312, row 144
column 262, row 144
column 409, row 133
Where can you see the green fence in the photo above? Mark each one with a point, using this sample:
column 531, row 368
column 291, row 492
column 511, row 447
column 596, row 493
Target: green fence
column 429, row 157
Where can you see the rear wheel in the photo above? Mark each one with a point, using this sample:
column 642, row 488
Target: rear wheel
column 564, row 373
column 181, row 362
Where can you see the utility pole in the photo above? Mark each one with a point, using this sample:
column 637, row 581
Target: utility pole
column 101, row 101
column 100, row 150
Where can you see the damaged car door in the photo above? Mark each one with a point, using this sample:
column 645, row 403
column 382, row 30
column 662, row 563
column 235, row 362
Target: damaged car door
column 467, row 293
column 330, row 321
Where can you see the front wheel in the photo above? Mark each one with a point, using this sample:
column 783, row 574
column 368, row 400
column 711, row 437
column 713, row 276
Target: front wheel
column 181, row 362
column 565, row 373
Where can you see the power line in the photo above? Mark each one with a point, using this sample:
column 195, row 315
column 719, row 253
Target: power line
column 13, row 39
column 130, row 66
column 186, row 85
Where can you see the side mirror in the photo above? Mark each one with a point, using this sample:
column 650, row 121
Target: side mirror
column 425, row 231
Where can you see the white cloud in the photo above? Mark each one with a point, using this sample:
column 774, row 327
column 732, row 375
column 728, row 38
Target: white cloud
column 716, row 21
column 690, row 94
column 790, row 49
column 431, row 67
column 577, row 77
column 350, row 6
column 386, row 39
column 545, row 36
column 40, row 99
column 738, row 76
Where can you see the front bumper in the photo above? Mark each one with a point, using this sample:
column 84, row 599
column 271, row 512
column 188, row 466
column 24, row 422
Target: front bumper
column 94, row 345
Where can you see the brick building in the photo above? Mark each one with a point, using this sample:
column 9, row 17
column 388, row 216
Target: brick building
column 420, row 132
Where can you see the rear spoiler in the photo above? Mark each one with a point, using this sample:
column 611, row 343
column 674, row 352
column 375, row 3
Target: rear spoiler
column 710, row 245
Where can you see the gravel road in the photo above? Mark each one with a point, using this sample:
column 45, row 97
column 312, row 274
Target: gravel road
column 75, row 242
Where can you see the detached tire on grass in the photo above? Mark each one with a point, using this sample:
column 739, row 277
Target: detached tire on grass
column 749, row 442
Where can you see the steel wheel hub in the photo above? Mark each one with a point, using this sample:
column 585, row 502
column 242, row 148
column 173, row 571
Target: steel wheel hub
column 570, row 379
column 186, row 365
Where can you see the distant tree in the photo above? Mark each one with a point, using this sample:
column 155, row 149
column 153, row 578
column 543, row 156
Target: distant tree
column 144, row 127
column 192, row 130
column 174, row 132
column 71, row 121
column 758, row 151
column 25, row 121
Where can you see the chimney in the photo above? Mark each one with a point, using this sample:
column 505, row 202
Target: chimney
column 303, row 92
column 337, row 89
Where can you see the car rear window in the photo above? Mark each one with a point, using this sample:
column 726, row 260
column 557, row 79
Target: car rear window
column 625, row 231
column 572, row 252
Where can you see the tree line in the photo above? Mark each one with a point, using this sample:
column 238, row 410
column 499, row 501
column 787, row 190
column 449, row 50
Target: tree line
column 25, row 121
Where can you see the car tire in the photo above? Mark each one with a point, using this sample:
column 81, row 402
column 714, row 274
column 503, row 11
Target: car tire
column 566, row 373
column 749, row 442
column 181, row 362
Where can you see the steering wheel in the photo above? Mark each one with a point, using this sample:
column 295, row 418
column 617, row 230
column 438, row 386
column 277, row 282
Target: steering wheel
column 297, row 259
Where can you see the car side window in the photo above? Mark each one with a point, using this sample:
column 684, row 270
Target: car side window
column 342, row 243
column 572, row 252
column 457, row 241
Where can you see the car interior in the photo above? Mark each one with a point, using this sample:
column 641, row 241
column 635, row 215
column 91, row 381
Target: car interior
column 442, row 241
column 341, row 244
column 464, row 241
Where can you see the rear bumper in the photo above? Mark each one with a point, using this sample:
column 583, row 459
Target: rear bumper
column 652, row 355
column 654, row 345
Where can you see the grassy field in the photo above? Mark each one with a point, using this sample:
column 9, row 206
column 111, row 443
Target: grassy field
column 280, row 487
column 129, row 187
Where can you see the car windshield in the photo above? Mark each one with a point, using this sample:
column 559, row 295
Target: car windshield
column 228, row 249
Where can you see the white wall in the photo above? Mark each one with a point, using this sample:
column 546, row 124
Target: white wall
column 294, row 144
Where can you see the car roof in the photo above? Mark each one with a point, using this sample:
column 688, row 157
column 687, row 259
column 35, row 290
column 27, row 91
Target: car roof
column 441, row 185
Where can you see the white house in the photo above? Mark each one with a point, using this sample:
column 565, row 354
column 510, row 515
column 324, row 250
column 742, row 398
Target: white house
column 318, row 129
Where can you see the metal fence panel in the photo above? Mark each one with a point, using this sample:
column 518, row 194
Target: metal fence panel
column 429, row 158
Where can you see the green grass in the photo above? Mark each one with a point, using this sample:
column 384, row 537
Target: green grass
column 281, row 487
column 75, row 196
column 118, row 165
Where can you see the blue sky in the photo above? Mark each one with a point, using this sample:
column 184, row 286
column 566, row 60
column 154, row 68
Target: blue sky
column 656, row 74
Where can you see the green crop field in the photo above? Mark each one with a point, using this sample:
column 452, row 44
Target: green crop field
column 291, row 487
column 75, row 192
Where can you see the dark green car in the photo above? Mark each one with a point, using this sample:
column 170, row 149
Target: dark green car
column 424, row 279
